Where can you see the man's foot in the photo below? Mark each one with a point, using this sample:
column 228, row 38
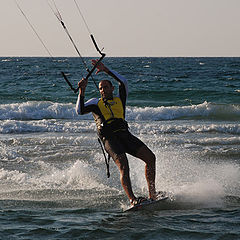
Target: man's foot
column 161, row 194
column 138, row 200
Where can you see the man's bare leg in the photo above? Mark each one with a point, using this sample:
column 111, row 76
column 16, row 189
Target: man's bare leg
column 122, row 163
column 145, row 154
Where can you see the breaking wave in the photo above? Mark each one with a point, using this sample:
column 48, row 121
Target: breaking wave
column 50, row 110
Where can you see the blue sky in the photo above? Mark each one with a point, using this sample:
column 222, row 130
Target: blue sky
column 123, row 27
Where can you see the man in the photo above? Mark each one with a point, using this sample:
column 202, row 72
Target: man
column 109, row 115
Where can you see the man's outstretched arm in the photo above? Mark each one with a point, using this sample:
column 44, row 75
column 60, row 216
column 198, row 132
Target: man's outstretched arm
column 122, row 81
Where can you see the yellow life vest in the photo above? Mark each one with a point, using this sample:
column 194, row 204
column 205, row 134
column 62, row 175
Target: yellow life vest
column 111, row 108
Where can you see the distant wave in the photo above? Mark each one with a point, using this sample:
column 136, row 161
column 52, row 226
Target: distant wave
column 58, row 117
column 36, row 111
column 201, row 111
column 86, row 126
column 49, row 110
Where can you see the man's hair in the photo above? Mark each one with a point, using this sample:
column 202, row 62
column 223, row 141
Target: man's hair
column 107, row 81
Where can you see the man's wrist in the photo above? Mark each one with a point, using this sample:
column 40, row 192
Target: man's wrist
column 82, row 92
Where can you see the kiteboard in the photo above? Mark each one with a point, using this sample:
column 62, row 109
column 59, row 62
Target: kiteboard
column 148, row 204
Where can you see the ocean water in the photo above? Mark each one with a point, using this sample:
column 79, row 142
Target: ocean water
column 53, row 182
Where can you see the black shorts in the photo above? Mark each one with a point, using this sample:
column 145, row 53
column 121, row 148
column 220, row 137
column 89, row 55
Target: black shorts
column 122, row 142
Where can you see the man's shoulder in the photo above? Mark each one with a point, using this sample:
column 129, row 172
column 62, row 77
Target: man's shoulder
column 92, row 101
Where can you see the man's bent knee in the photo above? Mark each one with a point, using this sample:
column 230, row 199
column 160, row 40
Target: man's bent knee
column 146, row 155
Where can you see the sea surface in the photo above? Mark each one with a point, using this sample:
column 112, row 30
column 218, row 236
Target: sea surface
column 53, row 182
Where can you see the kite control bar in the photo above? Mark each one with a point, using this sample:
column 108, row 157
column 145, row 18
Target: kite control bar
column 89, row 72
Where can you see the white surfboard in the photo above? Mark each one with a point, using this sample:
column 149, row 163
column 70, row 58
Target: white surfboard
column 148, row 204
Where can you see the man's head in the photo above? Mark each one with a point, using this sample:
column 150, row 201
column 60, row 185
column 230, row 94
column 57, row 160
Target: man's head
column 106, row 89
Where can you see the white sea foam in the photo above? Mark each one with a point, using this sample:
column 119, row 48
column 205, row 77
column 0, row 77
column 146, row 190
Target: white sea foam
column 51, row 110
column 77, row 176
column 75, row 163
column 50, row 125
column 61, row 153
column 193, row 180
column 190, row 181
column 37, row 110
column 140, row 127
column 202, row 111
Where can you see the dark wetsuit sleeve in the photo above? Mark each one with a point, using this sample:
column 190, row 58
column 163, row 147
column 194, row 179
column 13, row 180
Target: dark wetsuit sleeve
column 89, row 106
column 123, row 87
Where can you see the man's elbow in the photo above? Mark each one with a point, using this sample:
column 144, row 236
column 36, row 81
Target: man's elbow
column 79, row 111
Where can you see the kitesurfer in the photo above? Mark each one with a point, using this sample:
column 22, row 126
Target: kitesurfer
column 109, row 115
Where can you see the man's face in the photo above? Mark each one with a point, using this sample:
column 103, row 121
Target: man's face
column 106, row 90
